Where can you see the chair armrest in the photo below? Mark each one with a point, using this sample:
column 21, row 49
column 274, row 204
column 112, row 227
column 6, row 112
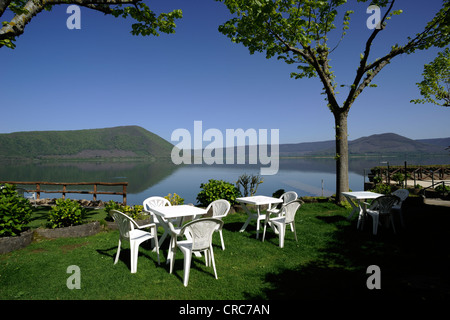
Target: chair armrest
column 150, row 225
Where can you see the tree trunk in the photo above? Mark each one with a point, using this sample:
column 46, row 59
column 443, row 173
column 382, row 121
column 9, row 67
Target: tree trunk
column 340, row 119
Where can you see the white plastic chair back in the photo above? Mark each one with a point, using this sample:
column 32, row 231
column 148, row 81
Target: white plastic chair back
column 201, row 231
column 220, row 208
column 401, row 193
column 124, row 222
column 155, row 202
column 289, row 196
column 384, row 204
column 290, row 209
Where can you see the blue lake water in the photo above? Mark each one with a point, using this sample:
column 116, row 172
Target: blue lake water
column 307, row 177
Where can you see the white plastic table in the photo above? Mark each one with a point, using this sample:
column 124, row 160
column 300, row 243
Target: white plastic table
column 175, row 212
column 257, row 201
column 360, row 196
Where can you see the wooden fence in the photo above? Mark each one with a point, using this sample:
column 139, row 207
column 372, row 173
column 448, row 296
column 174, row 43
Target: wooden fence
column 64, row 190
column 413, row 172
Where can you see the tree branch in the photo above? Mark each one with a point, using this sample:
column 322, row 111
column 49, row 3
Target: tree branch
column 321, row 68
column 362, row 65
column 17, row 25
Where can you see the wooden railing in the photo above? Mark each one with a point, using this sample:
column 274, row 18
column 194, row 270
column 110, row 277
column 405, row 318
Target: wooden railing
column 413, row 172
column 64, row 190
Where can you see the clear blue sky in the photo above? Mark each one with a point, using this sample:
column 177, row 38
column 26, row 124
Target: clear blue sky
column 102, row 76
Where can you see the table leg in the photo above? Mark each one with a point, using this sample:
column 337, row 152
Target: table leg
column 258, row 222
column 250, row 217
column 355, row 208
column 362, row 215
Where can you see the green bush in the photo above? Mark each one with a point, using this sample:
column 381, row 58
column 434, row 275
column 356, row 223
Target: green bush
column 442, row 188
column 66, row 213
column 382, row 188
column 135, row 212
column 174, row 199
column 398, row 177
column 215, row 190
column 15, row 212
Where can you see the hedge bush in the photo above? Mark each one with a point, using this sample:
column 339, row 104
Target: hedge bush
column 15, row 212
column 217, row 189
column 66, row 213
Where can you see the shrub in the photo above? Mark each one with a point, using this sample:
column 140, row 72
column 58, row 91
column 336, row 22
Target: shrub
column 398, row 177
column 66, row 213
column 174, row 199
column 377, row 179
column 135, row 212
column 15, row 212
column 215, row 190
column 249, row 183
column 382, row 188
column 278, row 193
column 442, row 188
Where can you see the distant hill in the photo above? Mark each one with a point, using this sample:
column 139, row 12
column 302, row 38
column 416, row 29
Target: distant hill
column 386, row 143
column 117, row 142
column 128, row 142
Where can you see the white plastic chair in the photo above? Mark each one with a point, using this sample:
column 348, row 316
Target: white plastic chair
column 287, row 216
column 382, row 206
column 200, row 231
column 29, row 195
column 286, row 197
column 402, row 194
column 156, row 201
column 220, row 209
column 130, row 230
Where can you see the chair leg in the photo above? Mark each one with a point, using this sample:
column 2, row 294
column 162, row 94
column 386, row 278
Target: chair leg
column 264, row 231
column 118, row 251
column 375, row 224
column 211, row 254
column 170, row 253
column 187, row 267
column 221, row 239
column 293, row 229
column 133, row 254
column 171, row 259
column 157, row 247
column 207, row 258
column 282, row 233
column 391, row 220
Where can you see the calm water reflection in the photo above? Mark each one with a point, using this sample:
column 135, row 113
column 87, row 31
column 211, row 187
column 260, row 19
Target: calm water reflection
column 305, row 176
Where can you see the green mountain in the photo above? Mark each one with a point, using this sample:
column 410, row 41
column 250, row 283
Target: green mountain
column 117, row 142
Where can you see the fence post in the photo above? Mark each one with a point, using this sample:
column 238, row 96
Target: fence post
column 124, row 194
column 406, row 175
column 95, row 192
column 38, row 191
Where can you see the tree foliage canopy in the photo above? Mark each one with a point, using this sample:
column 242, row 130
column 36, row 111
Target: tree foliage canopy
column 146, row 22
column 435, row 86
column 297, row 31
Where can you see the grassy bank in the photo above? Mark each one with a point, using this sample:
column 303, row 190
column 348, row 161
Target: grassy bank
column 329, row 261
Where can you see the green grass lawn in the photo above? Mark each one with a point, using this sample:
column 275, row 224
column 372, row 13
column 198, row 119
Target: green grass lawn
column 329, row 261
